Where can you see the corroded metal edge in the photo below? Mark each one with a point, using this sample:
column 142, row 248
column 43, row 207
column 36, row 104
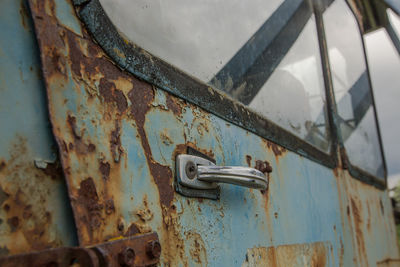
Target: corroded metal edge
column 141, row 250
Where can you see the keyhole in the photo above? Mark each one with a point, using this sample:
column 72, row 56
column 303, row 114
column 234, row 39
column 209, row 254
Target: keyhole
column 191, row 169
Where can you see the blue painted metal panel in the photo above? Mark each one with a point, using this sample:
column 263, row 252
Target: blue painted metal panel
column 118, row 139
column 35, row 211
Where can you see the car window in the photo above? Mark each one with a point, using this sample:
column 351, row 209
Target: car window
column 263, row 53
column 351, row 84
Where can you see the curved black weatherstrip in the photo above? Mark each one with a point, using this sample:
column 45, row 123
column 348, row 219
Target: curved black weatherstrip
column 163, row 75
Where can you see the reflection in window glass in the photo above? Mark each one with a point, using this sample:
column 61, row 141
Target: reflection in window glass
column 384, row 66
column 263, row 53
column 352, row 89
column 199, row 37
column 394, row 20
column 294, row 96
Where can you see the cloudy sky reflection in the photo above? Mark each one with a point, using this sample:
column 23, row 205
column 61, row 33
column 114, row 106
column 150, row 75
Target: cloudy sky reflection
column 384, row 65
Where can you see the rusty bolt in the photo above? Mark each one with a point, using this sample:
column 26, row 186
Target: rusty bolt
column 126, row 257
column 263, row 166
column 153, row 249
column 191, row 169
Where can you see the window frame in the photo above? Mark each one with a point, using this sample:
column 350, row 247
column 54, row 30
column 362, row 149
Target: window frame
column 355, row 172
column 137, row 61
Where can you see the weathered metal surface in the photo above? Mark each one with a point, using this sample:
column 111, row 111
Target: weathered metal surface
column 119, row 136
column 140, row 250
column 53, row 257
column 139, row 62
column 143, row 250
column 34, row 208
column 311, row 254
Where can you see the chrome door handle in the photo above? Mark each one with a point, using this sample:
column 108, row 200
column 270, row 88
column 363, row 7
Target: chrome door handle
column 243, row 176
column 199, row 173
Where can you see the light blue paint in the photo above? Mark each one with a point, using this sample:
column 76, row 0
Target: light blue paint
column 23, row 108
column 302, row 193
column 24, row 116
column 66, row 16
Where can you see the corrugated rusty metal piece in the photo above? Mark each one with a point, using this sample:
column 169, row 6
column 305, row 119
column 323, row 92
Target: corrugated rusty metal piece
column 132, row 251
column 53, row 257
column 142, row 250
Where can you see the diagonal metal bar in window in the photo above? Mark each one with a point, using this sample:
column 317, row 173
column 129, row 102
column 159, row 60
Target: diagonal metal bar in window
column 264, row 50
column 360, row 97
column 361, row 101
column 245, row 74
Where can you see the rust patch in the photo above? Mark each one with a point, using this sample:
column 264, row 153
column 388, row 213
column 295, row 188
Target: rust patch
column 79, row 144
column 91, row 69
column 174, row 105
column 141, row 96
column 263, row 166
column 71, row 120
column 2, row 165
column 197, row 249
column 336, row 172
column 25, row 200
column 132, row 230
column 105, row 169
column 278, row 150
column 369, row 217
column 54, row 170
column 3, row 196
column 112, row 95
column 115, row 143
column 248, row 160
column 13, row 222
column 358, row 224
column 23, row 11
column 165, row 138
column 318, row 257
column 309, row 254
column 110, row 207
column 388, row 262
column 146, row 214
column 89, row 200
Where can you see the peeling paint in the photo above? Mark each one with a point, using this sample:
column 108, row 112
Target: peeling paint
column 119, row 137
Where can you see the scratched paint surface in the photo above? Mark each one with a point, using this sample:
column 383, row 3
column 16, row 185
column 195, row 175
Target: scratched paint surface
column 118, row 138
column 34, row 206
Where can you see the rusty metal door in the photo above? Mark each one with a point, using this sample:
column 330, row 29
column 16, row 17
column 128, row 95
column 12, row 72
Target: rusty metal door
column 118, row 138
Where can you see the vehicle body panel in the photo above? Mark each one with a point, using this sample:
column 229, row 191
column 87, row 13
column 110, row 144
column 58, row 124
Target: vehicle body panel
column 35, row 213
column 118, row 138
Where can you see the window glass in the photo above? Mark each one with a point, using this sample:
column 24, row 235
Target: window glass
column 352, row 89
column 263, row 53
column 394, row 20
column 294, row 95
column 384, row 66
column 198, row 37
